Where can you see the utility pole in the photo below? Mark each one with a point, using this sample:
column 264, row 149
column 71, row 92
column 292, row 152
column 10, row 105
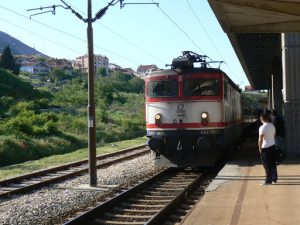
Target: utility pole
column 91, row 101
column 91, row 73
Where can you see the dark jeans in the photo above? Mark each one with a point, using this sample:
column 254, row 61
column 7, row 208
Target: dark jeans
column 268, row 157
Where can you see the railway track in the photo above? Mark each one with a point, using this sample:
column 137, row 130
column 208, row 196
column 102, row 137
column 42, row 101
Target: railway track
column 150, row 202
column 33, row 181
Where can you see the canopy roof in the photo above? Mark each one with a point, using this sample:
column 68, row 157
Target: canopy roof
column 254, row 27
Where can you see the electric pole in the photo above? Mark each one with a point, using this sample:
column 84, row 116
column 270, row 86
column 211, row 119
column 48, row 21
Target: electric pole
column 91, row 73
column 91, row 101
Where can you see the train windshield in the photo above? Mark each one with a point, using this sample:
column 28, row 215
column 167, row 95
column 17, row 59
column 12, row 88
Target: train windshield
column 162, row 88
column 202, row 87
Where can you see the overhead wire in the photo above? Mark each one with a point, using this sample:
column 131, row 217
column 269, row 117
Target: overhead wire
column 54, row 42
column 187, row 36
column 202, row 26
column 122, row 37
column 209, row 38
column 65, row 33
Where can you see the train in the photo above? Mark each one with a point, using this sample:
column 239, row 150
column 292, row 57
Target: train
column 193, row 112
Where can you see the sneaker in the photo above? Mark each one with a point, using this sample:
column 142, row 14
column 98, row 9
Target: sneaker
column 264, row 183
column 274, row 181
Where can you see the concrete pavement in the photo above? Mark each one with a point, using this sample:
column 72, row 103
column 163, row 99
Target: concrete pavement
column 235, row 197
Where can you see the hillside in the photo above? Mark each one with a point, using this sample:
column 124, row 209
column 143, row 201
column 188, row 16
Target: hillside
column 13, row 86
column 17, row 47
column 35, row 123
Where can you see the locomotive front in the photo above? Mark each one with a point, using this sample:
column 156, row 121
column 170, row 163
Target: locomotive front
column 184, row 114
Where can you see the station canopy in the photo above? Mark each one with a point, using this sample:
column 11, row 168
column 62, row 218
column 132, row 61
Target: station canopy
column 254, row 29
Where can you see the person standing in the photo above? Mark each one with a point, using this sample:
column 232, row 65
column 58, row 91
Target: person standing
column 267, row 150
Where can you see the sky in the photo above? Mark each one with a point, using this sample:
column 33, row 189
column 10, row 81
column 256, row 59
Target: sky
column 132, row 36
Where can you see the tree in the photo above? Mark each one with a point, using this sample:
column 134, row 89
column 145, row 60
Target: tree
column 119, row 76
column 101, row 72
column 137, row 85
column 8, row 62
column 78, row 73
column 57, row 75
column 39, row 58
column 73, row 95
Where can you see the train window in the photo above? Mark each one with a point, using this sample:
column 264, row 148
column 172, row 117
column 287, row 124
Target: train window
column 162, row 88
column 225, row 89
column 202, row 87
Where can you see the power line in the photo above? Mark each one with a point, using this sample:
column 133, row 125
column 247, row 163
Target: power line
column 193, row 11
column 46, row 25
column 54, row 42
column 65, row 33
column 123, row 38
column 208, row 36
column 163, row 12
column 131, row 43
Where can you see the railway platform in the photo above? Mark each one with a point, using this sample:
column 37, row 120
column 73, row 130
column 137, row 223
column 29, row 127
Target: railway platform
column 235, row 197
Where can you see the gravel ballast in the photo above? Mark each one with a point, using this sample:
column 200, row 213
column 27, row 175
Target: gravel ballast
column 53, row 204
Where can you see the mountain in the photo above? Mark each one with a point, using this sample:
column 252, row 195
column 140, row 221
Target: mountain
column 17, row 47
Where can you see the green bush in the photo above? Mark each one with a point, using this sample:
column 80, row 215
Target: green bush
column 13, row 86
column 27, row 123
column 36, row 123
column 72, row 124
column 16, row 150
column 23, row 106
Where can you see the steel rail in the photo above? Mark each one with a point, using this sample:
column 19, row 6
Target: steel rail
column 162, row 215
column 164, row 204
column 35, row 180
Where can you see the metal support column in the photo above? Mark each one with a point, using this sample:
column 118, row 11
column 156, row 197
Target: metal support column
column 270, row 106
column 291, row 89
column 277, row 93
column 276, row 83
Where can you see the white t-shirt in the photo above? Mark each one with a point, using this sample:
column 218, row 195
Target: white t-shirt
column 268, row 130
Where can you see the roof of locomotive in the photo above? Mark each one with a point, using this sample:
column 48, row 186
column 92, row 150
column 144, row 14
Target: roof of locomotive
column 168, row 72
column 174, row 72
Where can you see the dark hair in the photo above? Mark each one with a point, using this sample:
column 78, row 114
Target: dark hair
column 274, row 112
column 267, row 111
column 265, row 117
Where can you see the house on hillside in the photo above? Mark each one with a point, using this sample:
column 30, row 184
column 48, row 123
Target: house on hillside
column 113, row 66
column 129, row 71
column 35, row 68
column 60, row 64
column 24, row 59
column 248, row 88
column 33, row 64
column 99, row 61
column 143, row 70
column 116, row 68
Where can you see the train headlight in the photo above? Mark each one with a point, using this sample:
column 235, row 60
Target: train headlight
column 204, row 115
column 204, row 118
column 157, row 118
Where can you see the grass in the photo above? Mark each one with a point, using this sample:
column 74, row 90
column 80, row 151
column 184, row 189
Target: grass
column 43, row 163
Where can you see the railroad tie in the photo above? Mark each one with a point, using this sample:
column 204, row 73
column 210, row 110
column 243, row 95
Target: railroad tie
column 99, row 221
column 141, row 206
column 150, row 211
column 149, row 200
column 124, row 216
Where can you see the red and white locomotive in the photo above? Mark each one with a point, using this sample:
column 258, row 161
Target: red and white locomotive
column 193, row 114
